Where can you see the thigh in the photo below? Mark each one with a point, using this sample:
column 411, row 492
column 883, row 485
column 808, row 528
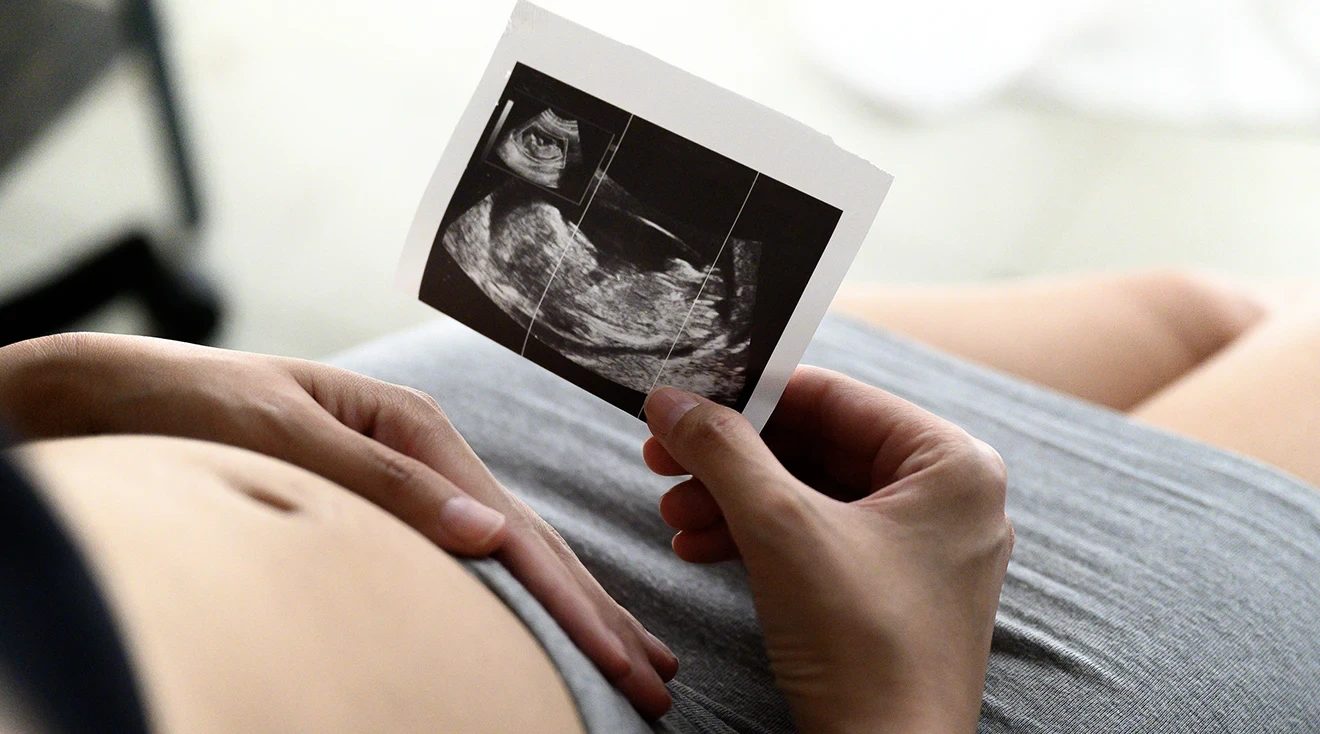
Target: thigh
column 1110, row 339
column 1260, row 397
column 255, row 596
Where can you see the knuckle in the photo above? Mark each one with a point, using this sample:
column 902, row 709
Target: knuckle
column 991, row 467
column 975, row 473
column 539, row 531
column 557, row 543
column 787, row 508
column 274, row 419
column 424, row 399
column 710, row 425
column 996, row 547
column 399, row 475
column 419, row 402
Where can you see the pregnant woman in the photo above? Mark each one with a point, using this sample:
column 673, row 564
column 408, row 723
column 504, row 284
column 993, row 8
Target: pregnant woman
column 1158, row 582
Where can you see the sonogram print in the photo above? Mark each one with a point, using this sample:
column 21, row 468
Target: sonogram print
column 617, row 245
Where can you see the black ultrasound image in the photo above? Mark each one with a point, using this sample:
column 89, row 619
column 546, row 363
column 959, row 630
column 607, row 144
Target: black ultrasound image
column 619, row 254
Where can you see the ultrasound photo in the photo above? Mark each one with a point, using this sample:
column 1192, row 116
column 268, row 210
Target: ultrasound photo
column 619, row 254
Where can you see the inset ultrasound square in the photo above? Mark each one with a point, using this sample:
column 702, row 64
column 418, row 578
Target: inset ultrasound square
column 544, row 144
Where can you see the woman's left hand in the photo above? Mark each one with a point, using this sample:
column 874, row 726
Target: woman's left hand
column 391, row 444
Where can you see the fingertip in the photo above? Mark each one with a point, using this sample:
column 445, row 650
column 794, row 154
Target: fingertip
column 657, row 703
column 671, row 511
column 717, row 444
column 662, row 659
column 689, row 506
column 659, row 460
column 644, row 684
column 667, row 664
column 712, row 545
column 646, row 691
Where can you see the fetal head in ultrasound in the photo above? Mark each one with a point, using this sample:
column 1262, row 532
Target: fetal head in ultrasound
column 543, row 149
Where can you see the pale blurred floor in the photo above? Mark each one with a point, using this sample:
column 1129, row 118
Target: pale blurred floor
column 317, row 125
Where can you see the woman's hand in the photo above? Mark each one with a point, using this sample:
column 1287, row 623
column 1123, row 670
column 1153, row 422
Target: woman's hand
column 391, row 444
column 874, row 536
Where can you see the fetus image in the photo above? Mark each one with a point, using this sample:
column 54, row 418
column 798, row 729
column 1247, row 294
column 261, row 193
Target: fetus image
column 541, row 149
column 611, row 242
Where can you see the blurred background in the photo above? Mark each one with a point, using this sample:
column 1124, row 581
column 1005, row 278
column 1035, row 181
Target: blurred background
column 1025, row 138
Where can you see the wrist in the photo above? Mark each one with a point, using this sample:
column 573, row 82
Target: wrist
column 918, row 715
column 924, row 689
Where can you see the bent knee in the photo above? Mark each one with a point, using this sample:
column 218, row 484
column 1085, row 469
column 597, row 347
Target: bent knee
column 1203, row 312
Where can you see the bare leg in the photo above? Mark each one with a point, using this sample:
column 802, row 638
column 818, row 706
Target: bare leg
column 1237, row 366
column 1261, row 396
column 1110, row 339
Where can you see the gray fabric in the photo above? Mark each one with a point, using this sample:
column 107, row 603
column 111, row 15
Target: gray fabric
column 601, row 707
column 1157, row 584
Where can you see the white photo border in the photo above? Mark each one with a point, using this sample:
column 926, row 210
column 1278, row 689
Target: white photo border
column 744, row 131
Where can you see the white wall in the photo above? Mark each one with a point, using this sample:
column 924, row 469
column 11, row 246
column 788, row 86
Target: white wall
column 317, row 123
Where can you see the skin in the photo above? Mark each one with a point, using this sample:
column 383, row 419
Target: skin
column 1233, row 363
column 257, row 596
column 390, row 444
column 1109, row 339
column 1260, row 396
column 874, row 538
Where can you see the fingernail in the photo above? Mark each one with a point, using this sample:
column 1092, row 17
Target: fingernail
column 666, row 405
column 470, row 521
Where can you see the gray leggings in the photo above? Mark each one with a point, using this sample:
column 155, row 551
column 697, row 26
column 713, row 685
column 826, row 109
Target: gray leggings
column 1157, row 584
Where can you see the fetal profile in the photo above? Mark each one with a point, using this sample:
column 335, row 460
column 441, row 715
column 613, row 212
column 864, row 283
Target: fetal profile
column 544, row 149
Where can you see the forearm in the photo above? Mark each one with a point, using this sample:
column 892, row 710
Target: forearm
column 917, row 709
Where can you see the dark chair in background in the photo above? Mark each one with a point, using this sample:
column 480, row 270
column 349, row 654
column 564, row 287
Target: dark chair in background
column 51, row 51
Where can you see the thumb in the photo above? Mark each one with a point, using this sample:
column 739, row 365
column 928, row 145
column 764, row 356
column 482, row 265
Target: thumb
column 719, row 447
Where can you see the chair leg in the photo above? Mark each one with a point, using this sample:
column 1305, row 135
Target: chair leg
column 182, row 307
column 144, row 30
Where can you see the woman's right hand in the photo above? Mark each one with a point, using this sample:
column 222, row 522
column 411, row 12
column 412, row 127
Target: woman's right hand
column 875, row 558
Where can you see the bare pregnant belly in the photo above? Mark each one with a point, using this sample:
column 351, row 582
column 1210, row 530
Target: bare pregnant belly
column 255, row 596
